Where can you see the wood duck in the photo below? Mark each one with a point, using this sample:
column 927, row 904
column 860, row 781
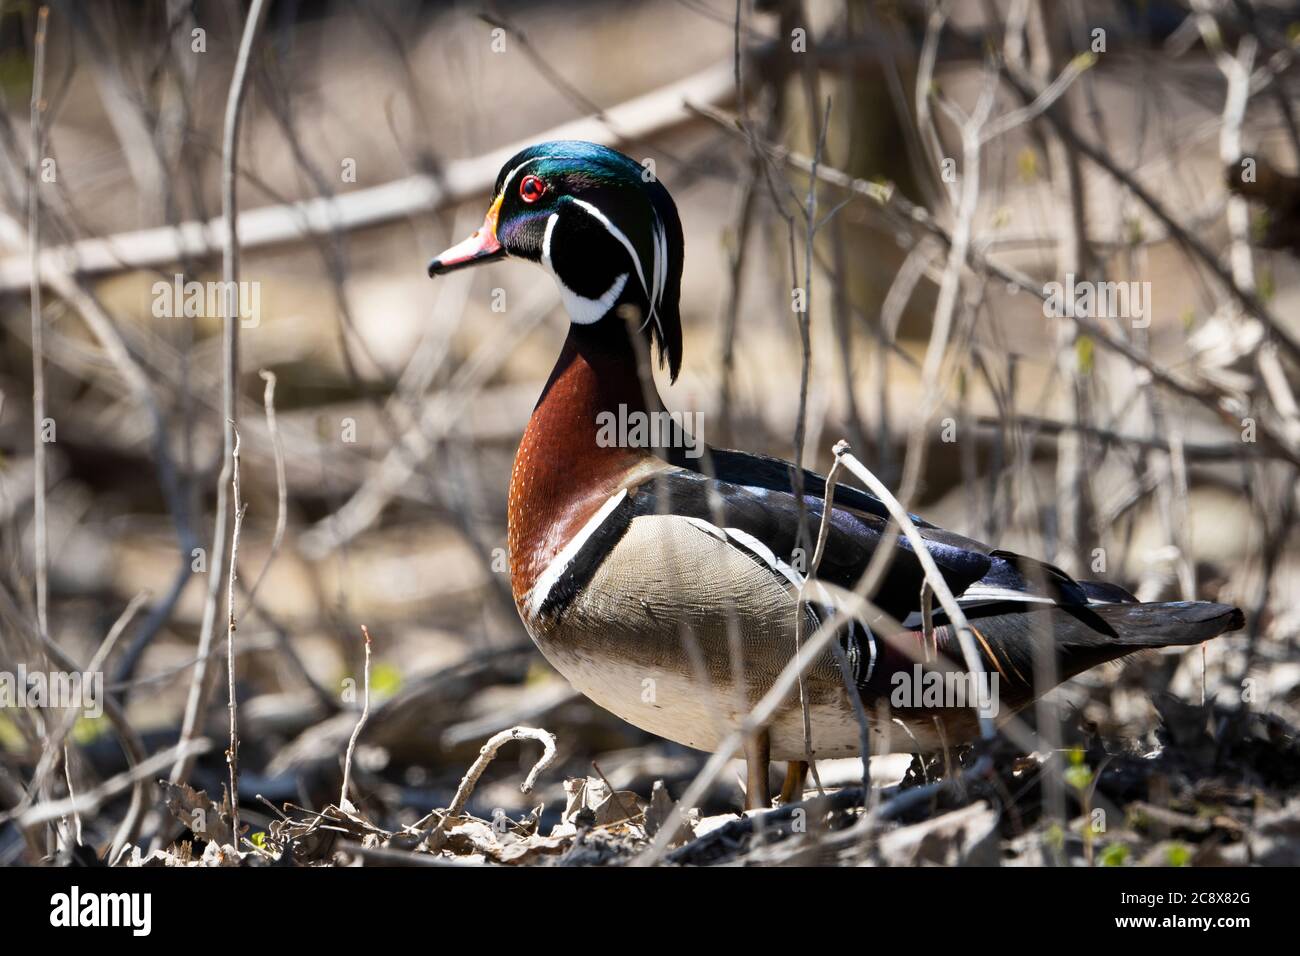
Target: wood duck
column 643, row 572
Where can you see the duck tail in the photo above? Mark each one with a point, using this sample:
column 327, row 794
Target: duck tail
column 1083, row 636
column 1174, row 623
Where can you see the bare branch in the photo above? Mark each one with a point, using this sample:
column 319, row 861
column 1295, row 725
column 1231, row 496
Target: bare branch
column 344, row 802
column 40, row 530
column 200, row 684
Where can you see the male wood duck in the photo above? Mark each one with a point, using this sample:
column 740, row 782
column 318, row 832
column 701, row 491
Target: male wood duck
column 642, row 572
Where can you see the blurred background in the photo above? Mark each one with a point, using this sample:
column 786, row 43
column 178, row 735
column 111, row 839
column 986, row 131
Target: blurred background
column 968, row 155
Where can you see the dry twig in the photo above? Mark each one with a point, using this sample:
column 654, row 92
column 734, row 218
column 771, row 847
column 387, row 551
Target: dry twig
column 485, row 756
column 40, row 530
column 200, row 683
column 344, row 802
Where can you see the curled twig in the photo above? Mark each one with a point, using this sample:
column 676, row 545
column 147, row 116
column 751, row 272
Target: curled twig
column 486, row 755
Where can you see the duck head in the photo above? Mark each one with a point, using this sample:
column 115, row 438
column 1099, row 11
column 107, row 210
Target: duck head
column 600, row 224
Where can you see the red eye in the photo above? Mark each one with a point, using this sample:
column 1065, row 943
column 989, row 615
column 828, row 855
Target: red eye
column 531, row 189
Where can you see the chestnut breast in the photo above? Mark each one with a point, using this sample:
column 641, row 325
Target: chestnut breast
column 561, row 474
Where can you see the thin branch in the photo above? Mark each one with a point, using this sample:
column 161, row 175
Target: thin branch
column 804, row 319
column 40, row 530
column 281, row 484
column 344, row 802
column 132, row 746
column 54, row 742
column 200, row 684
column 1043, row 102
column 855, row 699
column 1247, row 299
column 232, row 754
column 93, row 799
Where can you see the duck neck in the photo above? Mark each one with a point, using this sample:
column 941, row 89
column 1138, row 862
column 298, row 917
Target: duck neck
column 566, row 468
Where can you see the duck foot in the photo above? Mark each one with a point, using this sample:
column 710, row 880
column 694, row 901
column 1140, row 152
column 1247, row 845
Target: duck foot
column 792, row 790
column 758, row 791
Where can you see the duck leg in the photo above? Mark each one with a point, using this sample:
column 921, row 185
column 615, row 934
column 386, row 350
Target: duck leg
column 792, row 789
column 758, row 792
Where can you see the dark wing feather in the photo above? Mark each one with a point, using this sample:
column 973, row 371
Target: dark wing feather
column 773, row 474
column 1004, row 573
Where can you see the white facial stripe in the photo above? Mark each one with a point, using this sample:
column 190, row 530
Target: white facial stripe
column 560, row 563
column 661, row 260
column 660, row 270
column 617, row 233
column 505, row 183
column 546, row 243
column 586, row 311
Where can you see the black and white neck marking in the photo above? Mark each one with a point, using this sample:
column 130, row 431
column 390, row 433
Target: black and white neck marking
column 582, row 310
column 588, row 309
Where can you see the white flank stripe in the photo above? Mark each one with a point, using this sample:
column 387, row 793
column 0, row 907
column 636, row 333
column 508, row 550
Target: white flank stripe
column 768, row 556
column 560, row 563
column 984, row 593
column 816, row 592
column 709, row 529
column 751, row 544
